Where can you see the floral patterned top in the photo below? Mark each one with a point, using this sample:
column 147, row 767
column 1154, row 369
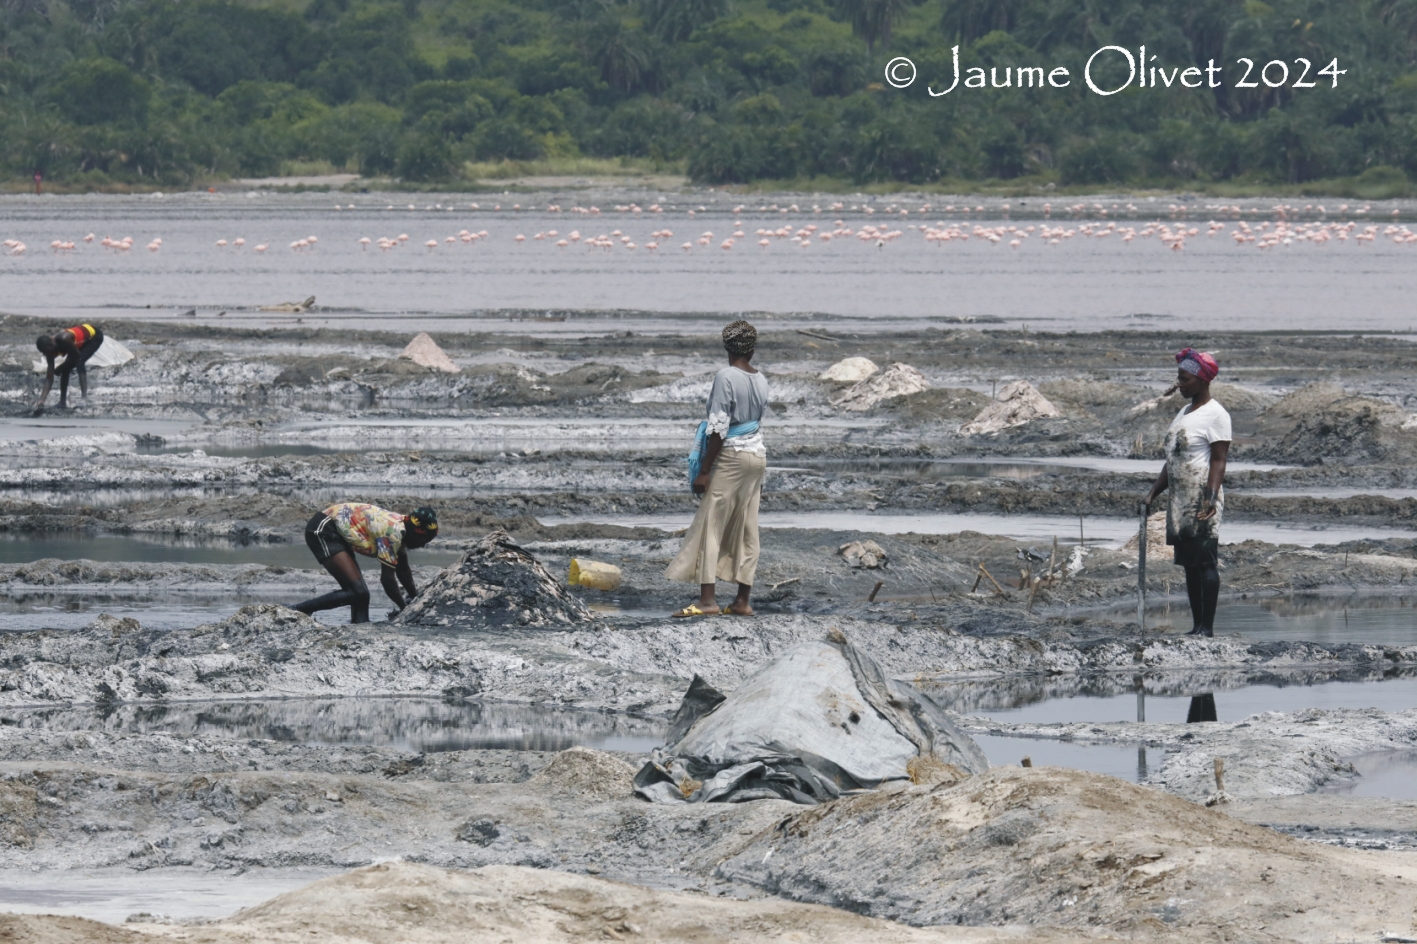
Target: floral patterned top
column 370, row 530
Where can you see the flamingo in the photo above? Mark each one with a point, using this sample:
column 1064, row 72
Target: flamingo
column 364, row 243
column 88, row 238
column 562, row 243
column 221, row 244
column 519, row 238
column 238, row 242
column 431, row 244
column 260, row 247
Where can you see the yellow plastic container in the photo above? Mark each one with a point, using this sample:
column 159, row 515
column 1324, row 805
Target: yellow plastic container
column 589, row 573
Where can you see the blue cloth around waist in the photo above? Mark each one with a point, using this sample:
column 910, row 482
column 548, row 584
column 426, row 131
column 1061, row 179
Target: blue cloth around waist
column 696, row 455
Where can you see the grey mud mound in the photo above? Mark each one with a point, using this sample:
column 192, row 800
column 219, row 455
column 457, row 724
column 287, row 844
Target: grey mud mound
column 1068, row 849
column 495, row 584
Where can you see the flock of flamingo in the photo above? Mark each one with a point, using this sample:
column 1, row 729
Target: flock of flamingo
column 1287, row 228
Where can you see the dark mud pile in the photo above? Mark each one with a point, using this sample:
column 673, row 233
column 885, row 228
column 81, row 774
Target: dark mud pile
column 496, row 584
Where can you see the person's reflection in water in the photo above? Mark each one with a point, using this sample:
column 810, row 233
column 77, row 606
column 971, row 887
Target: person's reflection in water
column 1202, row 708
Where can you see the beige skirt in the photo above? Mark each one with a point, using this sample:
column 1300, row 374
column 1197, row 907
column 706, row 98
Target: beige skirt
column 722, row 542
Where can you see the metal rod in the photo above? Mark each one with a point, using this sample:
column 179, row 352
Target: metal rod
column 1141, row 571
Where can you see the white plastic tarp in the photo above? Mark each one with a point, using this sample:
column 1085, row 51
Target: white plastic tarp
column 820, row 720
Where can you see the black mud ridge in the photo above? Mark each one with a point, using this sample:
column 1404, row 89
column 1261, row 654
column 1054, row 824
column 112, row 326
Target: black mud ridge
column 495, row 584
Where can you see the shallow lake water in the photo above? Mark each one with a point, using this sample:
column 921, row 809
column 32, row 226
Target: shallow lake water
column 112, row 895
column 1375, row 619
column 24, row 548
column 1395, row 694
column 1082, row 283
column 1108, row 531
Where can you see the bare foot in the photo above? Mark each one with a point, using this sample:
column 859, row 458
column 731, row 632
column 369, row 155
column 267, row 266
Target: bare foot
column 738, row 609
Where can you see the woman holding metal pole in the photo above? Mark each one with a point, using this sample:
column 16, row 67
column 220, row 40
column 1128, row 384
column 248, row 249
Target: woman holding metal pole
column 1197, row 447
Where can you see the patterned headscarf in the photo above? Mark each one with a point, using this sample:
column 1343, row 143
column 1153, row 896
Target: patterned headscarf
column 740, row 338
column 1198, row 363
column 423, row 519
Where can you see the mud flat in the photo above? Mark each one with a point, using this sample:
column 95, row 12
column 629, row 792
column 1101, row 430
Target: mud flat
column 240, row 735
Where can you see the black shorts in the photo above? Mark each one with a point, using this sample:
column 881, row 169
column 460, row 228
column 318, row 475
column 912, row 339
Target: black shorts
column 323, row 538
column 86, row 350
column 1197, row 552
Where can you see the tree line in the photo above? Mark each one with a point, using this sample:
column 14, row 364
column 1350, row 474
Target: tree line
column 167, row 93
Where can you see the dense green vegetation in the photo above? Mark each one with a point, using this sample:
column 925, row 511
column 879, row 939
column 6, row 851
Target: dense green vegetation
column 101, row 93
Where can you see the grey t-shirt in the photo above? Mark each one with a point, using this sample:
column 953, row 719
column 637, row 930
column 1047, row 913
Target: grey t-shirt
column 737, row 397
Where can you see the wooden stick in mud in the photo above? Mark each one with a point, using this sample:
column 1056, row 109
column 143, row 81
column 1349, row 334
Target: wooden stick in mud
column 820, row 337
column 990, row 577
column 875, row 590
column 1053, row 556
column 1141, row 570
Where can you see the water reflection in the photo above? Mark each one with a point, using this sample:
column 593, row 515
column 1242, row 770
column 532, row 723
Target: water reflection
column 1202, row 709
column 1371, row 618
column 1166, row 697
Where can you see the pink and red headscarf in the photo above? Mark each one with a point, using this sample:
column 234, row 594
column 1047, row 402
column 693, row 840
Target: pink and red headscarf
column 1198, row 363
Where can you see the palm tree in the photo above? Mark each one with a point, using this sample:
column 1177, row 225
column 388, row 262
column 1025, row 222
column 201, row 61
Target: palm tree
column 675, row 20
column 620, row 54
column 967, row 20
column 873, row 20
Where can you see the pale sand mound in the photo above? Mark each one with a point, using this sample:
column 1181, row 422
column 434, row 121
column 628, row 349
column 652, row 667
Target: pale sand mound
column 1065, row 848
column 1156, row 547
column 584, row 771
column 850, row 370
column 425, row 351
column 898, row 380
column 1018, row 403
column 418, row 904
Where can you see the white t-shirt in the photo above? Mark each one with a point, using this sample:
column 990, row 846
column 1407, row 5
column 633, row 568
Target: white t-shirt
column 1188, row 443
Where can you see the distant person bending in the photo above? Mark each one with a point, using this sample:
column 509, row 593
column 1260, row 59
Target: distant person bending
column 339, row 532
column 76, row 345
column 722, row 543
column 1197, row 446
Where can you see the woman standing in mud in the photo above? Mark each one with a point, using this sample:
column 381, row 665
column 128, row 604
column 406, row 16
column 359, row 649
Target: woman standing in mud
column 76, row 345
column 727, row 468
column 339, row 532
column 1197, row 446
